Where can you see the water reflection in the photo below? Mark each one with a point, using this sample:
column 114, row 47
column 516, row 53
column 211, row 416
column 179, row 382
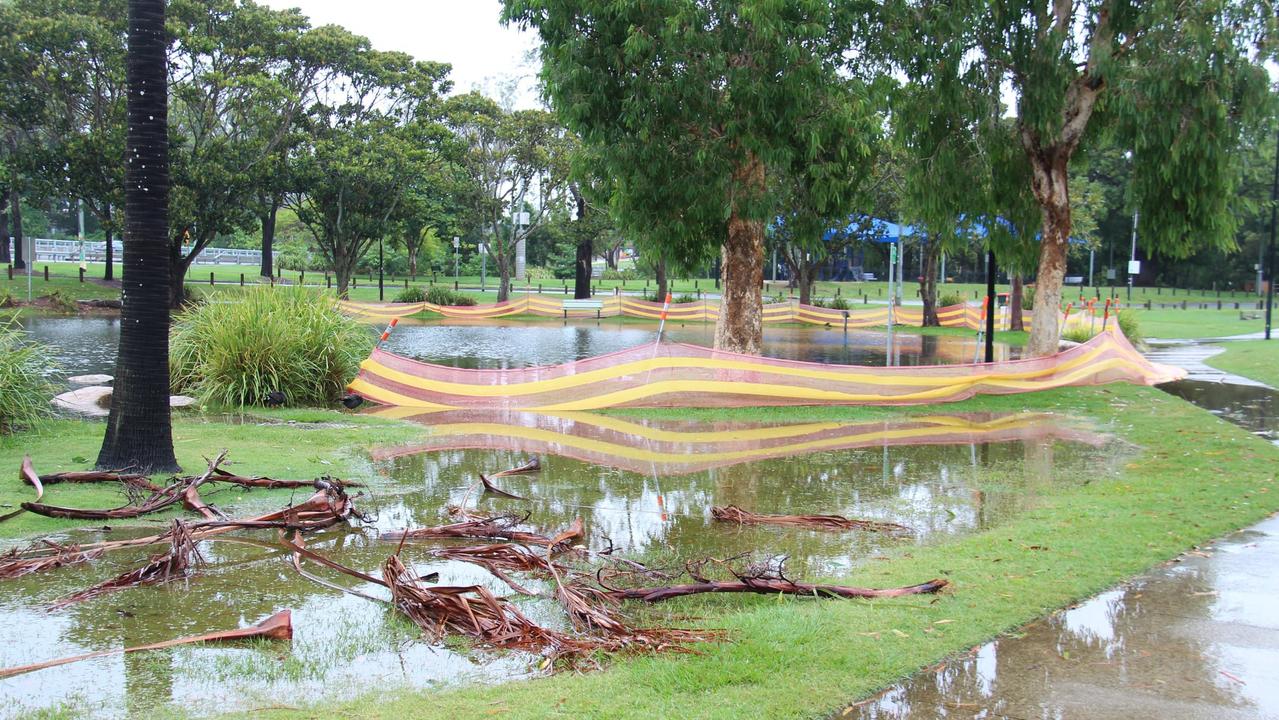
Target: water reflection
column 345, row 645
column 82, row 346
column 1254, row 408
column 1194, row 639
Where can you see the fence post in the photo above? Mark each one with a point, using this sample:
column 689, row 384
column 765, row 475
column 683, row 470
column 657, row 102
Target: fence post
column 406, row 283
column 241, row 279
column 10, row 272
column 328, row 282
column 1147, row 304
column 46, row 273
column 454, row 286
column 210, row 278
column 301, row 277
column 81, row 274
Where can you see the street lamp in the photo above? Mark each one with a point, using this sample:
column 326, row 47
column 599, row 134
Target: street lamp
column 1134, row 267
column 457, row 242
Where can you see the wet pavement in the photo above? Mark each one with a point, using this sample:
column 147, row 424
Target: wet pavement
column 1190, row 355
column 1197, row 638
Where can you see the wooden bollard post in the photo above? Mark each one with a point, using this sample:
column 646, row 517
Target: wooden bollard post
column 454, row 286
column 241, row 279
column 10, row 272
column 210, row 278
column 328, row 282
column 81, row 274
column 301, row 277
column 46, row 273
column 406, row 283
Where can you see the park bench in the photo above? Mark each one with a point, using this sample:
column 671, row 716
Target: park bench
column 596, row 305
column 1249, row 315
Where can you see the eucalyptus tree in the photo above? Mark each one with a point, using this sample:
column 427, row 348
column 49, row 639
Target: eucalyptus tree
column 692, row 104
column 1175, row 82
column 376, row 132
column 139, row 433
column 518, row 161
column 234, row 103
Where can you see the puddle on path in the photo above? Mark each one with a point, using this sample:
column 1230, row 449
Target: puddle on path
column 992, row 468
column 1195, row 639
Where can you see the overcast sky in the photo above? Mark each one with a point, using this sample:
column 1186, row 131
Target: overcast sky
column 465, row 33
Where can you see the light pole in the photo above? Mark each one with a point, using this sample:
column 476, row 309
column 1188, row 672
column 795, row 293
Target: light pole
column 1133, row 266
column 379, row 270
column 457, row 243
column 1274, row 217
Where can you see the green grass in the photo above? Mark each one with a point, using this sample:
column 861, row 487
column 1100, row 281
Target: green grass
column 1168, row 324
column 315, row 443
column 1194, row 478
column 1254, row 359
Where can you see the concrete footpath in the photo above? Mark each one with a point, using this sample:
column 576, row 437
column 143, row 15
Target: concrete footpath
column 1195, row 638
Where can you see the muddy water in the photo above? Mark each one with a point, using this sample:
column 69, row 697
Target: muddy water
column 980, row 472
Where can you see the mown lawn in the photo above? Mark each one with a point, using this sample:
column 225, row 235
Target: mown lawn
column 1254, row 359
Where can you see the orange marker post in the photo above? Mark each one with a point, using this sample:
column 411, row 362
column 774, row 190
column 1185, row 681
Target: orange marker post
column 387, row 332
column 1105, row 316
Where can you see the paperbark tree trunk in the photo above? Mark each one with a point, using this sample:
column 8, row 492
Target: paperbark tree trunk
column 139, row 434
column 928, row 283
column 1050, row 183
column 179, row 263
column 268, row 239
column 585, row 251
column 740, row 325
column 662, row 283
column 1015, row 298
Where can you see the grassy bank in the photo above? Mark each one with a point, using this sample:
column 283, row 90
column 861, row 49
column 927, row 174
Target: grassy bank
column 1254, row 359
column 1194, row 478
column 1189, row 324
column 286, row 444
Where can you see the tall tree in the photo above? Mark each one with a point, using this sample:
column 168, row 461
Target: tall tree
column 1176, row 82
column 139, row 433
column 691, row 105
column 518, row 161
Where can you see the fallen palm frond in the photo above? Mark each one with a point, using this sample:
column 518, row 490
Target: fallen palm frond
column 277, row 627
column 174, row 564
column 491, row 528
column 220, row 475
column 532, row 466
column 489, row 487
column 732, row 513
column 767, row 578
column 28, row 474
column 159, row 500
column 101, row 476
column 17, row 563
column 329, row 506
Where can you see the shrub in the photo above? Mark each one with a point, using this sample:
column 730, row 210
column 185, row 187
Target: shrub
column 61, row 302
column 1131, row 328
column 292, row 340
column 537, row 272
column 411, row 295
column 440, row 295
column 950, row 299
column 835, row 303
column 1028, row 298
column 1077, row 333
column 7, row 300
column 681, row 299
column 25, row 367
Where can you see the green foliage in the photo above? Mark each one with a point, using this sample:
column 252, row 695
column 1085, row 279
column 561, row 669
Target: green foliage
column 1028, row 298
column 25, row 390
column 1078, row 333
column 411, row 295
column 950, row 299
column 630, row 273
column 61, row 302
column 683, row 299
column 292, row 340
column 440, row 295
column 535, row 272
column 835, row 303
column 1129, row 323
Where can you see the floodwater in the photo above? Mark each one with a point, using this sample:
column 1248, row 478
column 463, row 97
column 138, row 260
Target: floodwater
column 1252, row 407
column 88, row 345
column 943, row 476
column 1196, row 639
column 497, row 344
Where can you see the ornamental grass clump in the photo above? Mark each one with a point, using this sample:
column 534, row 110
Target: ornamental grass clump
column 25, row 386
column 291, row 341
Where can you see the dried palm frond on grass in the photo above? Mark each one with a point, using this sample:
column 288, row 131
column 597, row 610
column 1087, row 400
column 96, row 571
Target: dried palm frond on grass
column 732, row 513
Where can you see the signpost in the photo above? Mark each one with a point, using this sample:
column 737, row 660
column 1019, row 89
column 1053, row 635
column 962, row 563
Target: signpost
column 892, row 299
column 484, row 256
column 457, row 243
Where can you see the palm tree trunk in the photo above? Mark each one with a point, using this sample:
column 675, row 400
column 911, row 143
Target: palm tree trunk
column 139, row 432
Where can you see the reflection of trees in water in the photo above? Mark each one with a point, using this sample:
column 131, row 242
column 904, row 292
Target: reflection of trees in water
column 1121, row 640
